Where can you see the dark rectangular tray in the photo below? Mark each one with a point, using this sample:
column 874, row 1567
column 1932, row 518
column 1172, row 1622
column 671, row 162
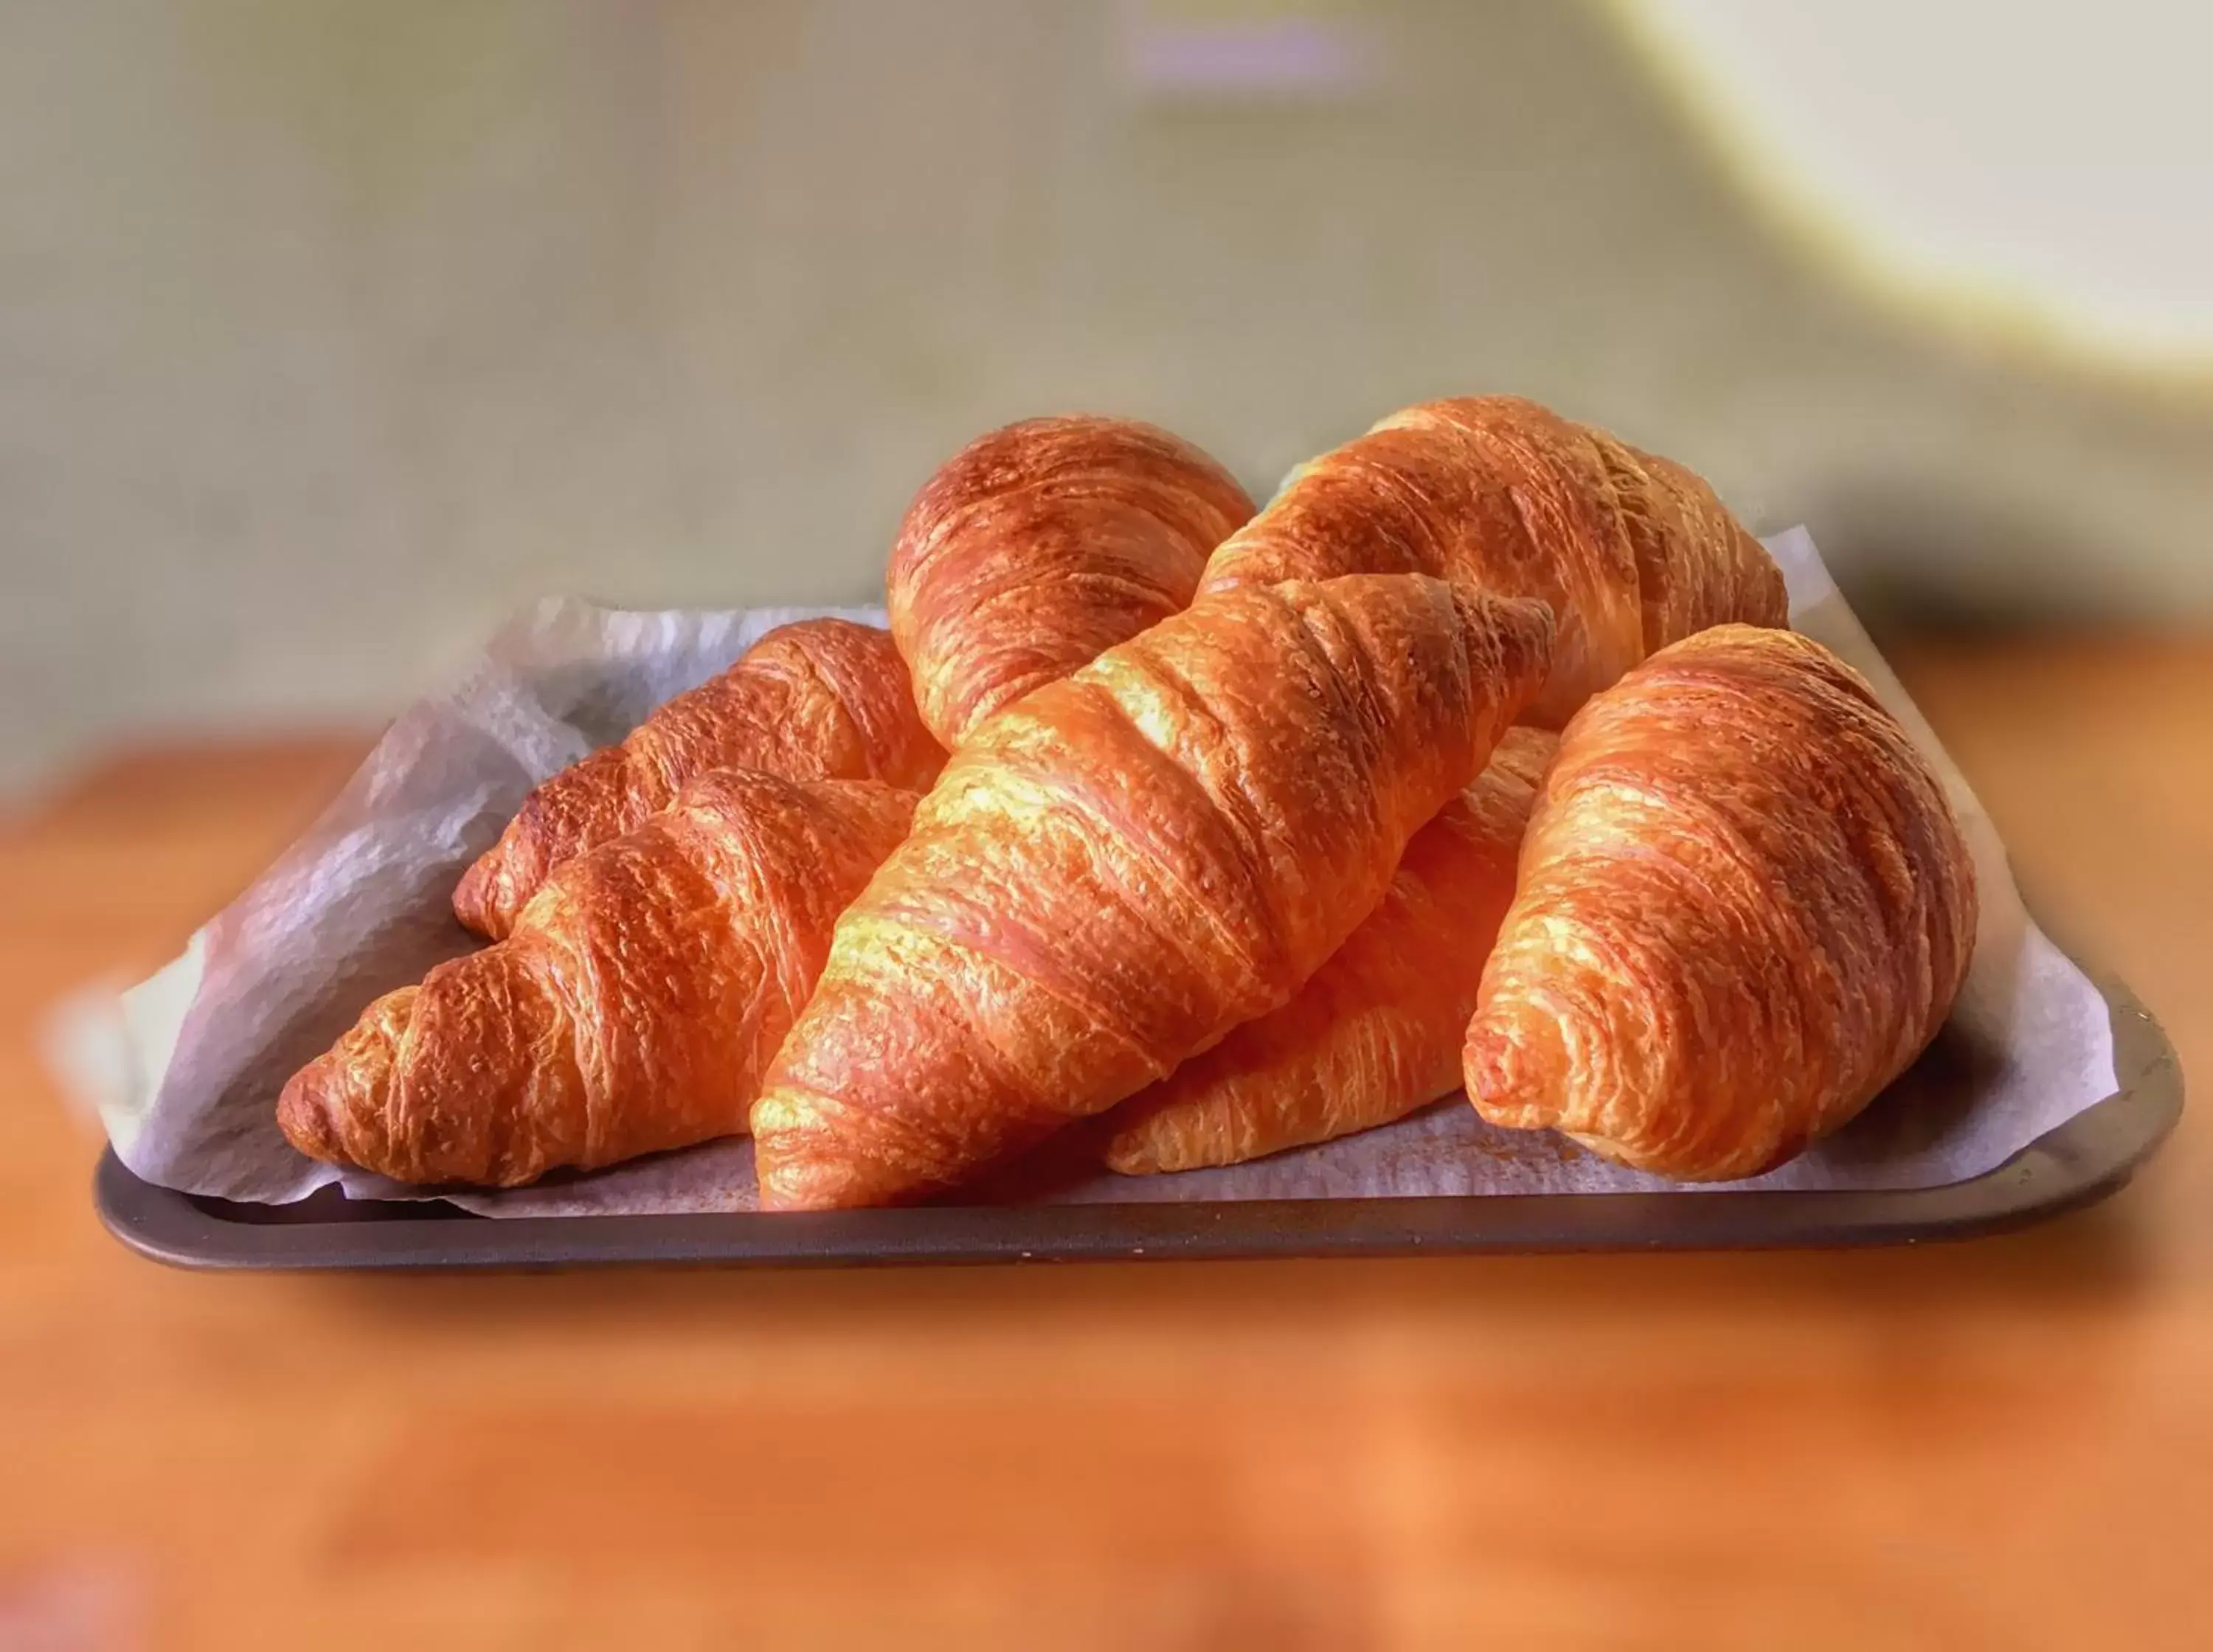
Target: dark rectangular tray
column 2084, row 1159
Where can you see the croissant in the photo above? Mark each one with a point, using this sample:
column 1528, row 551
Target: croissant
column 1116, row 871
column 634, row 1007
column 1038, row 546
column 1745, row 908
column 1631, row 550
column 1377, row 1032
column 818, row 699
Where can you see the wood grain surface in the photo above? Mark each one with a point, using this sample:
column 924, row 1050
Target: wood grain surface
column 2001, row 1444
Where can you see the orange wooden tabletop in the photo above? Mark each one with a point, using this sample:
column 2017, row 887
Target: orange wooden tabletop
column 2006, row 1443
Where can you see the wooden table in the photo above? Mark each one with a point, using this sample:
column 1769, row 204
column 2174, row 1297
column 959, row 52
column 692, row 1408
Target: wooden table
column 2001, row 1444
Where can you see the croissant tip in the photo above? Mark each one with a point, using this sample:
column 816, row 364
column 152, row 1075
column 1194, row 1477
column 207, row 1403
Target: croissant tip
column 478, row 901
column 303, row 1117
column 471, row 896
column 1504, row 1080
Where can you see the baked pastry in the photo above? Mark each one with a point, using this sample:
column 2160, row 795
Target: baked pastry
column 1038, row 546
column 1377, row 1033
column 1745, row 907
column 818, row 699
column 1117, row 870
column 1632, row 550
column 633, row 1007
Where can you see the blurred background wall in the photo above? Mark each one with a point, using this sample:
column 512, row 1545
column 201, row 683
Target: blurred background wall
column 331, row 332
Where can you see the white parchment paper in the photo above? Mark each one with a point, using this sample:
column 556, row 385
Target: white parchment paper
column 185, row 1068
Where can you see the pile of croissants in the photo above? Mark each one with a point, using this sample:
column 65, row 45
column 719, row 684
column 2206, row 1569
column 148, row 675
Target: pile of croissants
column 1480, row 756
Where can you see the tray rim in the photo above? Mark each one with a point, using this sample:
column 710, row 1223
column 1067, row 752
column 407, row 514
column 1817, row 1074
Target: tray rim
column 2088, row 1158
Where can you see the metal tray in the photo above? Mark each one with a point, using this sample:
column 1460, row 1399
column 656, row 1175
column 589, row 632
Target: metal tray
column 2084, row 1159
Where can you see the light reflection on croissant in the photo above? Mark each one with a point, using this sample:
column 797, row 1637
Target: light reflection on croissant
column 1377, row 1032
column 633, row 1010
column 1745, row 908
column 1119, row 868
column 1038, row 546
column 818, row 699
column 1632, row 550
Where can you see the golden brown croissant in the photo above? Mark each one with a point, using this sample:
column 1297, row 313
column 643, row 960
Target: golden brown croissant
column 1631, row 550
column 1745, row 908
column 822, row 699
column 1041, row 546
column 1116, row 871
column 633, row 1010
column 1377, row 1032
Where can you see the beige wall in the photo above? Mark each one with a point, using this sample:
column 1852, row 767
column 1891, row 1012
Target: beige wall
column 330, row 332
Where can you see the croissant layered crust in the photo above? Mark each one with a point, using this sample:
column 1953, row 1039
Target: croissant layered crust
column 817, row 699
column 1631, row 550
column 1745, row 907
column 1126, row 864
column 634, row 1007
column 1041, row 546
column 1377, row 1032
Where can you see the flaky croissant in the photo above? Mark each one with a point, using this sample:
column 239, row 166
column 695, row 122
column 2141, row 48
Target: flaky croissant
column 633, row 1010
column 818, row 699
column 1038, row 546
column 1745, row 908
column 1377, row 1032
column 1632, row 550
column 1117, row 870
